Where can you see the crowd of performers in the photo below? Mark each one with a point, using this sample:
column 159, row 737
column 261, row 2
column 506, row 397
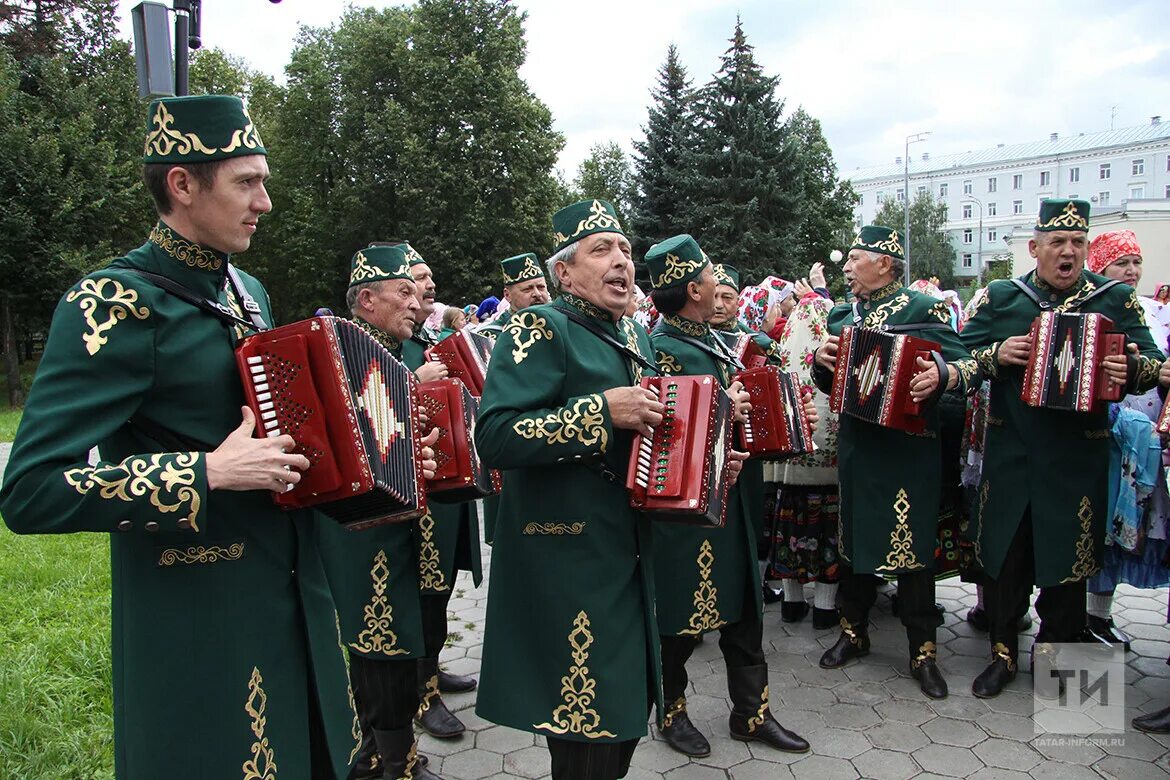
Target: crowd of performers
column 246, row 637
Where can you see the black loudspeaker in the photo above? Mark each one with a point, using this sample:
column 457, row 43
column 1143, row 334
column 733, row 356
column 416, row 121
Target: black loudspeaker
column 152, row 50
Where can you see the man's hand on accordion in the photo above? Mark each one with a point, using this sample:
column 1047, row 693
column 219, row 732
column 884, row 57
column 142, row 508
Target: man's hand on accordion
column 429, row 464
column 1117, row 366
column 735, row 460
column 1015, row 351
column 810, row 409
column 827, row 354
column 925, row 382
column 634, row 408
column 431, row 371
column 241, row 462
column 741, row 401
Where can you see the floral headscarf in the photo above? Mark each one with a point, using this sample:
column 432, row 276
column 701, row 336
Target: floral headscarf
column 647, row 314
column 778, row 289
column 753, row 305
column 1110, row 247
column 806, row 330
column 926, row 288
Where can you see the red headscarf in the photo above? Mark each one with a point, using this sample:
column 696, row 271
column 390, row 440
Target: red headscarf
column 1108, row 248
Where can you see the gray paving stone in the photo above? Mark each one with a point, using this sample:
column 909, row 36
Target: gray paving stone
column 695, row 772
column 902, row 737
column 1079, row 752
column 430, row 746
column 1007, row 754
column 657, row 756
column 501, row 739
column 1001, row 724
column 725, row 752
column 993, row 773
column 946, row 760
column 903, row 711
column 473, row 764
column 806, row 697
column 838, row 743
column 760, row 770
column 951, row 731
column 823, row 768
column 1134, row 744
column 1128, row 768
column 1012, row 702
column 960, row 706
column 868, row 693
column 851, row 716
column 530, row 762
column 878, row 764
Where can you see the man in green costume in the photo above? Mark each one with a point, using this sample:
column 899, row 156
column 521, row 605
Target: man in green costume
column 570, row 648
column 524, row 286
column 227, row 658
column 707, row 578
column 1043, row 496
column 373, row 573
column 447, row 538
column 890, row 479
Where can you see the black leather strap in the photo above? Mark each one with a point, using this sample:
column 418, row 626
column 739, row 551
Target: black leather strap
column 593, row 328
column 1045, row 305
column 214, row 308
column 251, row 307
column 720, row 353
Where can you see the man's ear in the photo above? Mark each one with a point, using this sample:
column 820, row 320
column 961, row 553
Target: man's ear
column 181, row 185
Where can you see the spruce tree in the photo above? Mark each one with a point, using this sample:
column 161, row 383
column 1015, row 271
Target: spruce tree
column 824, row 207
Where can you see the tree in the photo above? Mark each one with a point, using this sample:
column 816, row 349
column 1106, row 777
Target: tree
column 931, row 251
column 606, row 174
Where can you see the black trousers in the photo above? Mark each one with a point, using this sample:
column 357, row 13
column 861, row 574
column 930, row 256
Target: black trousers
column 1061, row 607
column 385, row 692
column 741, row 644
column 434, row 621
column 858, row 592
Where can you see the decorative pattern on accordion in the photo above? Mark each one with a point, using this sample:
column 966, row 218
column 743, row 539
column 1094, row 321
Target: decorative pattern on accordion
column 777, row 424
column 350, row 406
column 466, row 355
column 1066, row 367
column 460, row 475
column 744, row 347
column 680, row 472
column 872, row 380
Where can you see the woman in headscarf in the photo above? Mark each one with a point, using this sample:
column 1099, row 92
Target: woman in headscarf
column 781, row 302
column 487, row 308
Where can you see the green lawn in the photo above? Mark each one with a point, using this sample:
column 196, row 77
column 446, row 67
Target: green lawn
column 56, row 715
column 9, row 417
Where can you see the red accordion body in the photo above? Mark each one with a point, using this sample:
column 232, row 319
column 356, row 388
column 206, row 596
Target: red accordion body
column 1066, row 369
column 466, row 355
column 777, row 424
column 744, row 347
column 872, row 380
column 460, row 475
column 350, row 406
column 680, row 473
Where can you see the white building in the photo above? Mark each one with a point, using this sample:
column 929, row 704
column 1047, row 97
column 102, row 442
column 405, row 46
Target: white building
column 1005, row 184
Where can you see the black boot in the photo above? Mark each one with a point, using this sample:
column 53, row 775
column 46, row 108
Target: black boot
column 1107, row 632
column 1154, row 723
column 977, row 617
column 999, row 673
column 825, row 618
column 772, row 595
column 433, row 716
column 793, row 611
column 681, row 734
column 367, row 764
column 400, row 759
column 1044, row 684
column 853, row 643
column 456, row 683
column 924, row 668
column 751, row 720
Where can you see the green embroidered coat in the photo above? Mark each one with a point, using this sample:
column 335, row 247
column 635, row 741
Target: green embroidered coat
column 491, row 504
column 702, row 573
column 891, row 480
column 223, row 622
column 1054, row 462
column 447, row 537
column 571, row 645
column 373, row 574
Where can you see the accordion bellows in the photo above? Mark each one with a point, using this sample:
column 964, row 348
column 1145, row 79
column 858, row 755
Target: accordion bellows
column 1066, row 368
column 777, row 425
column 872, row 379
column 459, row 473
column 466, row 355
column 744, row 347
column 352, row 409
column 680, row 473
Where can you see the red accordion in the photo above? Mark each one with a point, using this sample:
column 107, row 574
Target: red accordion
column 1066, row 368
column 872, row 380
column 352, row 409
column 466, row 355
column 777, row 425
column 680, row 473
column 744, row 347
column 460, row 475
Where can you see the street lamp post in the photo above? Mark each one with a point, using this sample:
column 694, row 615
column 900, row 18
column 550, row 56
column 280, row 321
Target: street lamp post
column 910, row 139
column 979, row 257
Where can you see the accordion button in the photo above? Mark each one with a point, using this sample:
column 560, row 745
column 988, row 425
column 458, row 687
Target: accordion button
column 151, row 526
column 183, row 524
column 125, row 525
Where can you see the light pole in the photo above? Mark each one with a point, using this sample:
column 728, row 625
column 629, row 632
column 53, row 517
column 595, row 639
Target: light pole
column 910, row 139
column 979, row 257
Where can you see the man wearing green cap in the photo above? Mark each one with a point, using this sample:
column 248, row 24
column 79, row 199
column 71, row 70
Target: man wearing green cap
column 890, row 480
column 707, row 578
column 447, row 537
column 225, row 642
column 570, row 647
column 1043, row 497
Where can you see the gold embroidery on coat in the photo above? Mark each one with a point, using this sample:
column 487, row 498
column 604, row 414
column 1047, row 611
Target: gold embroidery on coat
column 689, row 327
column 356, row 727
column 553, row 529
column 1133, row 303
column 262, row 764
column 669, row 363
column 201, row 554
column 901, row 555
column 583, row 423
column 706, row 614
column 430, row 574
column 526, row 329
column 631, row 332
column 121, row 304
column 1085, row 565
column 378, row 636
column 164, row 138
column 1147, row 370
column 587, row 307
column 761, row 715
column 878, row 316
column 186, row 252
column 578, row 690
column 136, row 477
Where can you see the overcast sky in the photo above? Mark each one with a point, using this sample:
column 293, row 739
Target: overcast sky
column 873, row 72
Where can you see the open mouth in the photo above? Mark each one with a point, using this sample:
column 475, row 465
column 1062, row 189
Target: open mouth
column 1065, row 267
column 618, row 285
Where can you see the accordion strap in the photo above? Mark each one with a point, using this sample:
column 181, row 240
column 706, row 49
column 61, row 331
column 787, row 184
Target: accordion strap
column 1045, row 305
column 214, row 308
column 245, row 298
column 590, row 326
column 908, row 327
column 720, row 353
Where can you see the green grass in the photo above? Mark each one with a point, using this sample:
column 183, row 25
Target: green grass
column 56, row 713
column 10, row 417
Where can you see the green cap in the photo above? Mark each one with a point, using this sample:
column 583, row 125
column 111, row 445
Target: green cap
column 675, row 261
column 375, row 263
column 573, row 223
column 199, row 128
column 521, row 268
column 1063, row 214
column 883, row 240
column 726, row 274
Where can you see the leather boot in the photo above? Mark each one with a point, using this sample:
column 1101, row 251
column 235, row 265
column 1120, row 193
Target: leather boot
column 1045, row 685
column 751, row 720
column 367, row 764
column 456, row 683
column 825, row 618
column 400, row 759
column 977, row 617
column 1000, row 672
column 853, row 643
column 681, row 734
column 1107, row 632
column 924, row 668
column 1154, row 723
column 793, row 611
column 433, row 716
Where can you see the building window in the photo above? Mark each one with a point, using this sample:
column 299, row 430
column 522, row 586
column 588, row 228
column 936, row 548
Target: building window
column 992, row 183
column 1167, row 191
column 1137, row 192
column 967, row 260
column 1074, row 175
column 900, row 195
column 967, row 236
column 992, row 234
column 942, row 190
column 991, row 209
column 881, row 197
column 1139, row 167
column 1017, row 207
column 967, row 187
column 921, row 189
column 1103, row 198
column 966, row 211
column 1106, row 171
column 1018, row 181
column 1045, row 178
column 861, row 199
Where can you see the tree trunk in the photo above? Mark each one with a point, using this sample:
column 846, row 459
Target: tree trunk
column 11, row 356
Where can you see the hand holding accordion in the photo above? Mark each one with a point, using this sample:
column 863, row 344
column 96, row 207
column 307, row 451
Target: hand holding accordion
column 777, row 425
column 466, row 355
column 1066, row 369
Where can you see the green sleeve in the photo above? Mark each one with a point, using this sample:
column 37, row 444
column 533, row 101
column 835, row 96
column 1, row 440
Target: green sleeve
column 953, row 351
column 1131, row 318
column 97, row 366
column 978, row 334
column 525, row 419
